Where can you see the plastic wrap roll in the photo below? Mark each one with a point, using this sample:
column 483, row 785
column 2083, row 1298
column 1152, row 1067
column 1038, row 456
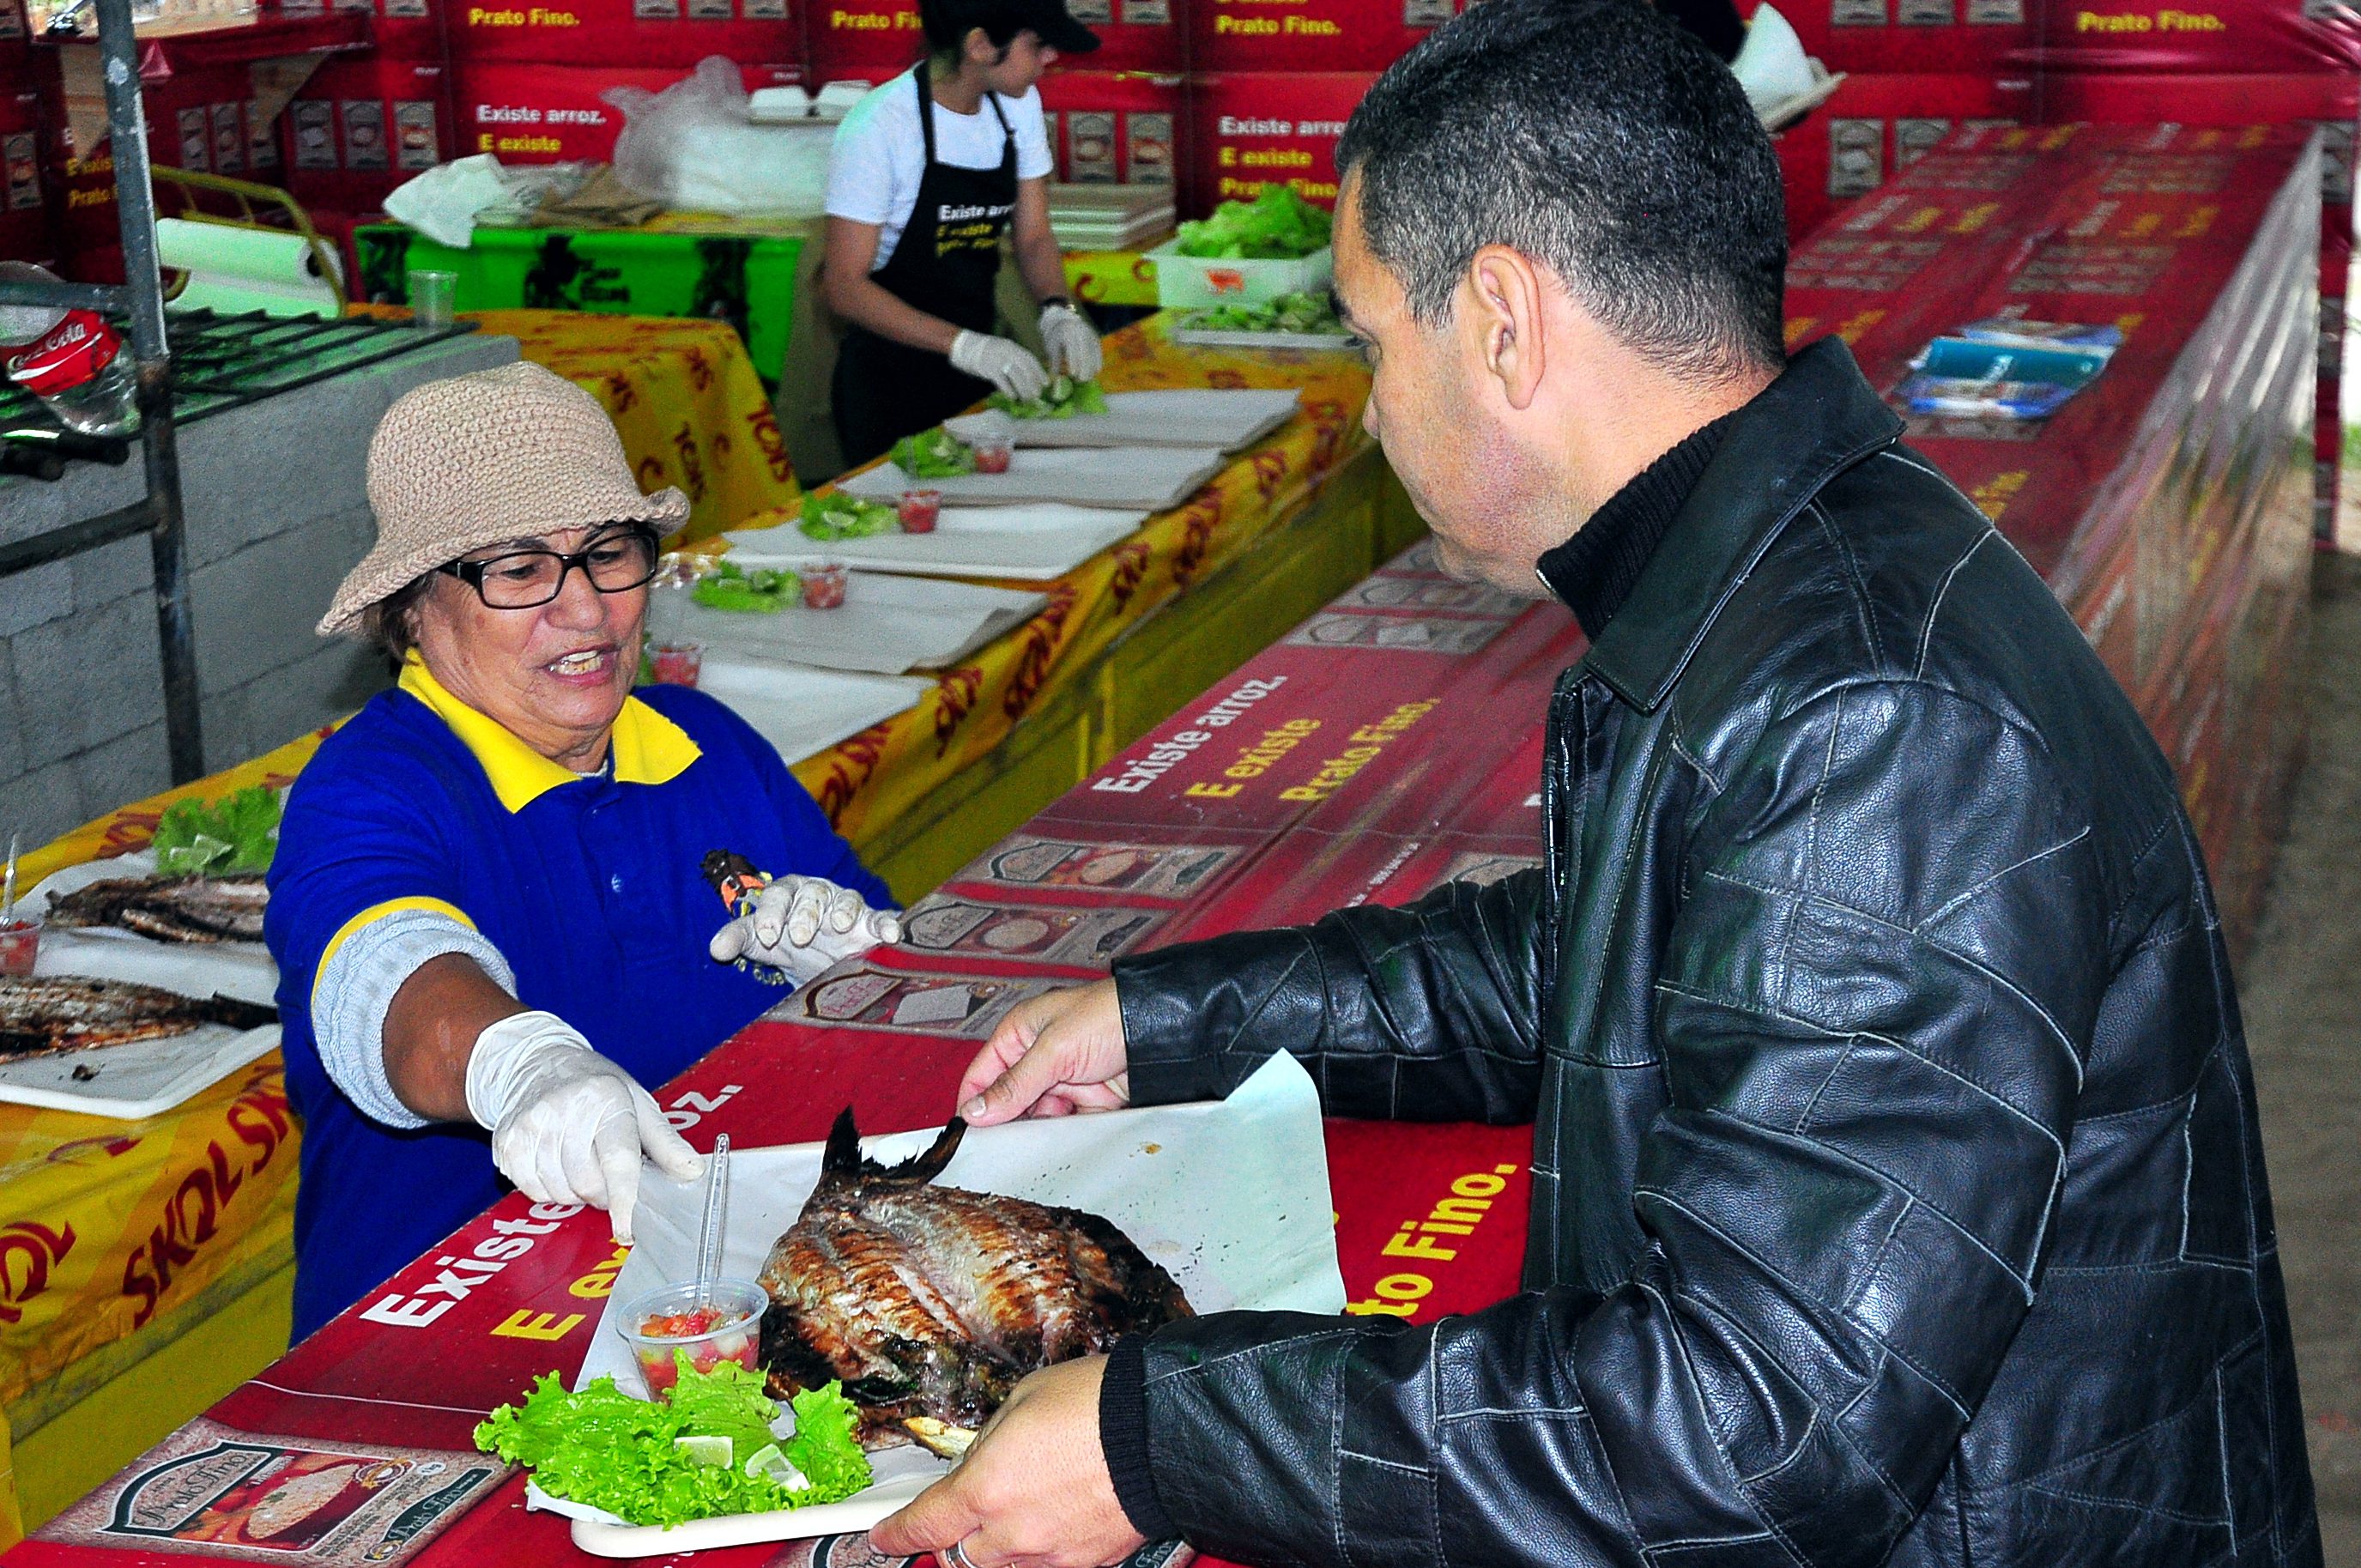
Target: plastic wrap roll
column 244, row 270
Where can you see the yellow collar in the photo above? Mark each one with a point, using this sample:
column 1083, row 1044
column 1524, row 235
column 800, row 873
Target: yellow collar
column 648, row 749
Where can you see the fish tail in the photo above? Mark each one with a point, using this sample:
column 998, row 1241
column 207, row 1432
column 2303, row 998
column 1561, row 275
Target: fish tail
column 842, row 1156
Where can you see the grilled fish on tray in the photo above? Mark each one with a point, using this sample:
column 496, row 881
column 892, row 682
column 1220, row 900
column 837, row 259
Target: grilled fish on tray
column 49, row 1016
column 928, row 1303
column 170, row 909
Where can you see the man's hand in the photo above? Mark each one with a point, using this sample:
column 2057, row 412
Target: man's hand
column 1033, row 1492
column 805, row 925
column 1054, row 1056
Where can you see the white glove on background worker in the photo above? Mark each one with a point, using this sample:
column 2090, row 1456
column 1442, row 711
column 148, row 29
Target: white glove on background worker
column 1072, row 342
column 805, row 925
column 568, row 1125
column 1004, row 364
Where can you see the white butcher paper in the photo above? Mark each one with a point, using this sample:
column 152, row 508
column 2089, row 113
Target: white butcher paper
column 1230, row 1196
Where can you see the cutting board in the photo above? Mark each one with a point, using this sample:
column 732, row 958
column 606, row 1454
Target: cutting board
column 145, row 1078
column 1132, row 479
column 800, row 710
column 887, row 625
column 1027, row 543
column 1225, row 419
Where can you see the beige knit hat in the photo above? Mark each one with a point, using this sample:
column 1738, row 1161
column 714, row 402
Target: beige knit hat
column 477, row 460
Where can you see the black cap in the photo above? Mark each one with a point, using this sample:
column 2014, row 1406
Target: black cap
column 1050, row 21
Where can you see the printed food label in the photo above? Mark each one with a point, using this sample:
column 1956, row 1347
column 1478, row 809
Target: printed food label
column 1148, row 13
column 196, row 139
column 1425, row 13
column 365, row 134
column 20, row 156
column 1090, row 147
column 1857, row 13
column 1147, row 148
column 261, row 144
column 1091, row 13
column 229, row 139
column 1924, row 13
column 315, row 133
column 656, row 10
column 413, row 128
column 1996, row 13
column 763, row 10
column 1856, row 156
column 1914, row 139
column 79, row 346
column 11, row 19
column 709, row 10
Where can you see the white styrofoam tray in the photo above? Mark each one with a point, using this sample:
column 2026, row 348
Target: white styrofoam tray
column 240, row 970
column 1184, row 332
column 1140, row 478
column 1230, row 1196
column 1027, row 543
column 887, row 625
column 142, row 1078
column 801, row 710
column 1227, row 419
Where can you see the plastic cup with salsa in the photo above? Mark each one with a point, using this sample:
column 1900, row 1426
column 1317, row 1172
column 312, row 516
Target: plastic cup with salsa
column 993, row 454
column 920, row 510
column 676, row 663
column 20, row 943
column 824, row 587
column 718, row 1320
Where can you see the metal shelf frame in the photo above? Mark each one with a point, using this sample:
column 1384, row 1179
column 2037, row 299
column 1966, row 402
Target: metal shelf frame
column 142, row 299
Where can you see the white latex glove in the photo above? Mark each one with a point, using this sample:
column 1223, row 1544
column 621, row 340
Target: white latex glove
column 1004, row 364
column 568, row 1125
column 805, row 925
column 1072, row 342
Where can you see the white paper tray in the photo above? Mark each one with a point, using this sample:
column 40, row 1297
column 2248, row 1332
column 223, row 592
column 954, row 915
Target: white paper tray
column 1220, row 337
column 1028, row 544
column 1142, row 479
column 804, row 711
column 1225, row 419
column 886, row 625
column 1230, row 1196
column 242, row 970
column 142, row 1078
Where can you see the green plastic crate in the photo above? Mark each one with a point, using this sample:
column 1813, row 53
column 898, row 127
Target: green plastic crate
column 748, row 281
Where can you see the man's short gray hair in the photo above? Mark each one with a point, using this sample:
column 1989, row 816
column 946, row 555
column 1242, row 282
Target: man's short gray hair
column 1596, row 138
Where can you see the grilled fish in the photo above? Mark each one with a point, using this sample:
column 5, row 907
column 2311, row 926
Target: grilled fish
column 49, row 1016
column 170, row 909
column 928, row 1303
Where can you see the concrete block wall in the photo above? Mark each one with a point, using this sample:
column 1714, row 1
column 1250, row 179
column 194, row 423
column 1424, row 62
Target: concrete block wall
column 276, row 515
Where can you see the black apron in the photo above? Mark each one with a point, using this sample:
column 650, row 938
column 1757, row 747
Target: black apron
column 946, row 264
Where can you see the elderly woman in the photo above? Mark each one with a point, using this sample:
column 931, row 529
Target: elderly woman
column 488, row 906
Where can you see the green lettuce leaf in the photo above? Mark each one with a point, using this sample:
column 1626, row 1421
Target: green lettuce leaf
column 234, row 835
column 731, row 587
column 1278, row 225
column 604, row 1448
column 839, row 516
column 1063, row 398
column 933, row 455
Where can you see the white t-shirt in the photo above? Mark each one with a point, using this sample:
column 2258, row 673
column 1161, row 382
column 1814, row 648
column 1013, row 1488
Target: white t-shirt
column 873, row 173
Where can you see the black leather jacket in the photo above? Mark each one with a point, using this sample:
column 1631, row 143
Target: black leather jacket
column 1897, row 1187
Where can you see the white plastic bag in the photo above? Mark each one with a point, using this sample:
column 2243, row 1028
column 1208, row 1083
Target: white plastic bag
column 693, row 148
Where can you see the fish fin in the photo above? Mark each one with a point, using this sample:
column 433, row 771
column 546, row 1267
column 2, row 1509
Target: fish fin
column 925, row 1168
column 842, row 1155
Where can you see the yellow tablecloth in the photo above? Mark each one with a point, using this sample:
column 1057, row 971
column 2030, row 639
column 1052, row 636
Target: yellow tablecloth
column 683, row 397
column 1111, row 276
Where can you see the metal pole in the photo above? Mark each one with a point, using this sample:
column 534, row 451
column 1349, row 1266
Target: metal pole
column 134, row 199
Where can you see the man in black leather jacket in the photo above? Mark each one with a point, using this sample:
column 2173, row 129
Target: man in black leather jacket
column 1897, row 1188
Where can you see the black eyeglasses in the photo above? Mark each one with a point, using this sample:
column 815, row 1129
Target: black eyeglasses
column 614, row 562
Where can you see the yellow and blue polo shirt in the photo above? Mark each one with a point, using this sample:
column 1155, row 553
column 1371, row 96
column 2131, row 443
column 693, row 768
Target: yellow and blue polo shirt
column 590, row 889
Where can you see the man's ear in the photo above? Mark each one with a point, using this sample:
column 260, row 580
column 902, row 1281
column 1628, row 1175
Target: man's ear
column 1505, row 313
column 978, row 46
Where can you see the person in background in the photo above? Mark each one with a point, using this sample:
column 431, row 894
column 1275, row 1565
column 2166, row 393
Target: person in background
column 928, row 171
column 488, row 906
